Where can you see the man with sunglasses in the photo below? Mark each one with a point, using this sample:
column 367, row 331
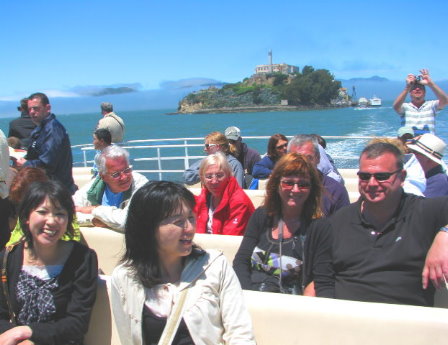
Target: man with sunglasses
column 105, row 199
column 420, row 114
column 389, row 243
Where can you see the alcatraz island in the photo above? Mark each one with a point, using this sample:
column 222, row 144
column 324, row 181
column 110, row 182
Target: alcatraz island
column 273, row 87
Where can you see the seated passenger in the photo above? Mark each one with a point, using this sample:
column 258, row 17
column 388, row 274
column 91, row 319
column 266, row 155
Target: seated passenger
column 19, row 188
column 103, row 201
column 429, row 150
column 326, row 163
column 285, row 235
column 277, row 146
column 164, row 274
column 245, row 155
column 222, row 207
column 101, row 140
column 215, row 142
column 51, row 283
column 335, row 195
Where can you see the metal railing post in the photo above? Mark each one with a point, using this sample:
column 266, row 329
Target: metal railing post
column 159, row 163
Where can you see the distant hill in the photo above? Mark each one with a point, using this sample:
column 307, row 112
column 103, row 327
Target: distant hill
column 384, row 88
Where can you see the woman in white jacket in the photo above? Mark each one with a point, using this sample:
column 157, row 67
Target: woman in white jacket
column 166, row 282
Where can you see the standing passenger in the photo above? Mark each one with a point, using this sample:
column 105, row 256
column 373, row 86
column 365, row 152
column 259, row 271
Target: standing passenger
column 22, row 127
column 112, row 122
column 420, row 114
column 50, row 145
column 166, row 280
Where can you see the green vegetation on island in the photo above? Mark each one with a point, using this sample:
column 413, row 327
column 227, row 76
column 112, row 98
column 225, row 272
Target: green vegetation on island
column 272, row 91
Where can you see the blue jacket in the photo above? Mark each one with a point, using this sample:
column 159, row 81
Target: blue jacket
column 50, row 149
column 263, row 168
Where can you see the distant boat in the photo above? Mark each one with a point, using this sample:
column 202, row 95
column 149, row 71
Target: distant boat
column 375, row 101
column 363, row 102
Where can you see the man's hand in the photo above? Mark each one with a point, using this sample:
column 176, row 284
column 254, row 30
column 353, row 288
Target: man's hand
column 410, row 79
column 99, row 223
column 436, row 263
column 425, row 78
column 85, row 209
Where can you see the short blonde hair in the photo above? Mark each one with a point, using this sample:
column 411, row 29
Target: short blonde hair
column 217, row 158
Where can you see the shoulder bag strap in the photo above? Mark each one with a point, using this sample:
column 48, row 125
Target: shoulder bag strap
column 12, row 315
column 173, row 320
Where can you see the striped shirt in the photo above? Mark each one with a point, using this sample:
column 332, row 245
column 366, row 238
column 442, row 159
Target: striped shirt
column 422, row 119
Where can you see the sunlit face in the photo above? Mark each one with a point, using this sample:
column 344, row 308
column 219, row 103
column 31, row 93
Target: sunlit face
column 175, row 233
column 294, row 190
column 37, row 111
column 375, row 191
column 417, row 92
column 120, row 167
column 281, row 147
column 210, row 147
column 307, row 150
column 215, row 179
column 47, row 223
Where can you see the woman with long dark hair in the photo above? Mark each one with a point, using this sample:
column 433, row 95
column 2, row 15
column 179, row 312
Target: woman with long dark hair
column 277, row 146
column 165, row 282
column 50, row 284
column 286, row 248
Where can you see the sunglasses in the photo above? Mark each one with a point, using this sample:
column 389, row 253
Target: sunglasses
column 207, row 146
column 380, row 177
column 288, row 185
column 281, row 146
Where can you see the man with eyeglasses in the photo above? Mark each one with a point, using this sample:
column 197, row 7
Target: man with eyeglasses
column 420, row 114
column 104, row 201
column 389, row 243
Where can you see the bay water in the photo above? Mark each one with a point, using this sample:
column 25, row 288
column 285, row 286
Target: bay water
column 156, row 124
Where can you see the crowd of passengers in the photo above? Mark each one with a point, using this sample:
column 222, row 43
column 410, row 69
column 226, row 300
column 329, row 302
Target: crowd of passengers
column 306, row 238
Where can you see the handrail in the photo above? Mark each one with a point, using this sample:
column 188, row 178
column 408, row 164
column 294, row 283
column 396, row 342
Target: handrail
column 166, row 153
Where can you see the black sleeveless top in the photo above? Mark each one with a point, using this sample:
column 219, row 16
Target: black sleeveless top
column 153, row 328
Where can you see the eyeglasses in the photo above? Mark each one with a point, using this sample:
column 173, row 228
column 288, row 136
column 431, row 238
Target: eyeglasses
column 116, row 175
column 380, row 176
column 281, row 146
column 207, row 146
column 219, row 176
column 288, row 185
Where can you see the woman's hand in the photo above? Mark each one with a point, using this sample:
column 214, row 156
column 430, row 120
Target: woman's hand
column 16, row 335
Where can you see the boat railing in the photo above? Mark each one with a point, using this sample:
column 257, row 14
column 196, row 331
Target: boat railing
column 168, row 158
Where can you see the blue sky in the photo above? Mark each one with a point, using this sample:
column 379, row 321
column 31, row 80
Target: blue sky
column 60, row 47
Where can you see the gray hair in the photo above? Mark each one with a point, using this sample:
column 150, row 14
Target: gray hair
column 107, row 107
column 301, row 139
column 110, row 152
column 217, row 158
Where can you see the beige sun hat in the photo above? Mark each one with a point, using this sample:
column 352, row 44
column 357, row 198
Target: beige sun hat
column 429, row 145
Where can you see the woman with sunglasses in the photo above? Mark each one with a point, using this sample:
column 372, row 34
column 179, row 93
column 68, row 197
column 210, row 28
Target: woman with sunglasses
column 164, row 274
column 277, row 146
column 286, row 248
column 222, row 207
column 215, row 142
column 49, row 284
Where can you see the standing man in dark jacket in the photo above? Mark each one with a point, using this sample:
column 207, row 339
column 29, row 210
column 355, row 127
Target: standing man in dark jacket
column 22, row 127
column 50, row 145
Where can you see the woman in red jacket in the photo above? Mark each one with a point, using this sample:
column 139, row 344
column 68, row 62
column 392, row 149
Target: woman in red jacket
column 222, row 207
